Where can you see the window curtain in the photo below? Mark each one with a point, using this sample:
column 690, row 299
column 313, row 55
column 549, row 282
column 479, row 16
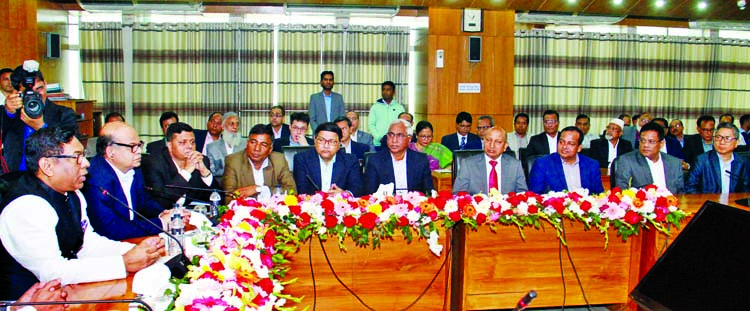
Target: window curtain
column 102, row 64
column 604, row 75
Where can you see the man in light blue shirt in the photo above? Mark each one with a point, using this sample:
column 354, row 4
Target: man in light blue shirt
column 384, row 111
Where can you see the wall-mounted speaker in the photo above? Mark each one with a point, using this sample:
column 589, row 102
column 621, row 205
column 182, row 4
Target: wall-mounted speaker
column 475, row 49
column 53, row 45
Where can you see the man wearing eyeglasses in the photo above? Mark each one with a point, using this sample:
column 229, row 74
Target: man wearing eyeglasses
column 327, row 168
column 407, row 169
column 545, row 142
column 463, row 138
column 179, row 166
column 720, row 170
column 116, row 169
column 697, row 144
column 276, row 122
column 484, row 123
column 45, row 229
column 677, row 130
column 300, row 121
column 648, row 164
column 566, row 169
column 606, row 149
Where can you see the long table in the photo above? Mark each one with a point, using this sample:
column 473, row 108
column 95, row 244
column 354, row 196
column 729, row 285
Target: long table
column 486, row 270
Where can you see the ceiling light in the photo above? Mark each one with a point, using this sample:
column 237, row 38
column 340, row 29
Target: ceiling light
column 702, row 5
column 571, row 1
column 660, row 3
column 617, row 2
column 741, row 4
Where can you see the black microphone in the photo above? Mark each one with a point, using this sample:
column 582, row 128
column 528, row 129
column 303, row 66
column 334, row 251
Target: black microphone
column 177, row 195
column 312, row 182
column 525, row 301
column 7, row 304
column 178, row 264
column 738, row 177
column 198, row 189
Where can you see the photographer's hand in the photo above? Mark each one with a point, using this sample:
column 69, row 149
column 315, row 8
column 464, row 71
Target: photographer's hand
column 36, row 124
column 13, row 102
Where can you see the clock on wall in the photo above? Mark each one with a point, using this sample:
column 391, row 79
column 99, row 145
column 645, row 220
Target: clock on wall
column 472, row 20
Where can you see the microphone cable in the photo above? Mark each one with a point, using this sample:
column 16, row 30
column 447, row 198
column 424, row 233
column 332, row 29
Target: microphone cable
column 575, row 271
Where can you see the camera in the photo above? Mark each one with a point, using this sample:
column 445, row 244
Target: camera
column 33, row 105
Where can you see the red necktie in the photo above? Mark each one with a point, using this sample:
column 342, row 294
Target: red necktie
column 493, row 175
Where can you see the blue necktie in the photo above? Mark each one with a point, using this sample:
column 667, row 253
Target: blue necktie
column 462, row 146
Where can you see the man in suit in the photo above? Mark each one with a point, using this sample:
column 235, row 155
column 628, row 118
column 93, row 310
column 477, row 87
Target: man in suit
column 677, row 131
column 385, row 110
column 115, row 169
column 276, row 122
column 212, row 133
column 250, row 170
column 583, row 123
column 300, row 121
column 179, row 165
column 648, row 165
column 405, row 168
column 518, row 138
column 566, row 169
column 605, row 150
column 358, row 135
column 17, row 125
column 673, row 146
column 326, row 168
column 463, row 138
column 632, row 133
column 697, row 144
column 325, row 105
column 545, row 142
column 479, row 173
column 484, row 123
column 710, row 172
column 408, row 117
column 745, row 128
column 165, row 120
column 230, row 142
column 349, row 146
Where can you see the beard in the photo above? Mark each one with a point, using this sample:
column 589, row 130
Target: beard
column 608, row 136
column 233, row 139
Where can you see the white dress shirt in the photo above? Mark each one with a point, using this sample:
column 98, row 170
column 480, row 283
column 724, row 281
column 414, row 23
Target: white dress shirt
column 657, row 172
column 516, row 142
column 187, row 175
column 353, row 136
column 258, row 174
column 126, row 182
column 725, row 178
column 572, row 173
column 465, row 138
column 552, row 142
column 347, row 146
column 399, row 174
column 27, row 230
column 612, row 153
column 326, row 173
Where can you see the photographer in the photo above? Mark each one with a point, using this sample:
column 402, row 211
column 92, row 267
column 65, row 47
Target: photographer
column 27, row 110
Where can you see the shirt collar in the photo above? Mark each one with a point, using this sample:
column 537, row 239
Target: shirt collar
column 120, row 174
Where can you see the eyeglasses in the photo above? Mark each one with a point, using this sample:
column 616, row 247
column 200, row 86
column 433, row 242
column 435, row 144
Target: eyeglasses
column 425, row 136
column 482, row 128
column 706, row 130
column 134, row 148
column 301, row 129
column 675, row 126
column 722, row 139
column 276, row 115
column 399, row 136
column 79, row 157
column 614, row 129
column 326, row 142
column 550, row 122
column 648, row 141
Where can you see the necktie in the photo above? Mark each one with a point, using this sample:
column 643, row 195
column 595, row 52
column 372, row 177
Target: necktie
column 493, row 175
column 462, row 146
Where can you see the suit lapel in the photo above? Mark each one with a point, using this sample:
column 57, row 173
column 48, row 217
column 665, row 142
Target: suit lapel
column 645, row 170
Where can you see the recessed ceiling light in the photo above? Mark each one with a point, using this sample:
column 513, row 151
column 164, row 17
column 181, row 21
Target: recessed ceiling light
column 702, row 5
column 571, row 1
column 660, row 3
column 617, row 2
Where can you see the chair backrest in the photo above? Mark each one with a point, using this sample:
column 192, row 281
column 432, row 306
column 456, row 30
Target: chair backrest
column 743, row 149
column 745, row 154
column 458, row 156
column 291, row 151
column 367, row 158
column 530, row 162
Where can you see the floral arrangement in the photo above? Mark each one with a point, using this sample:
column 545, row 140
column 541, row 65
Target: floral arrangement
column 245, row 265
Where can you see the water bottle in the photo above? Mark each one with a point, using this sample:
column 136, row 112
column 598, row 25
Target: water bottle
column 177, row 229
column 215, row 198
column 277, row 192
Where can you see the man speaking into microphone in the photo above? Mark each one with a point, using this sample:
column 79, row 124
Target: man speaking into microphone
column 115, row 168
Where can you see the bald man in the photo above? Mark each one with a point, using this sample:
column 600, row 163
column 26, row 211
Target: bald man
column 115, row 168
column 482, row 172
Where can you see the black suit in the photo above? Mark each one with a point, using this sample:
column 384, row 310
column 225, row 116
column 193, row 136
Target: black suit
column 380, row 171
column 346, row 173
column 358, row 149
column 693, row 148
column 285, row 141
column 285, row 132
column 200, row 139
column 538, row 144
column 160, row 171
column 13, row 129
column 451, row 142
column 599, row 150
column 155, row 147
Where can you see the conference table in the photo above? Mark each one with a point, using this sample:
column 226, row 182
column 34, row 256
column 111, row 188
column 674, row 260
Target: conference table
column 477, row 269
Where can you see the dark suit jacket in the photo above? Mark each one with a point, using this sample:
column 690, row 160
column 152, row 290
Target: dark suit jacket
column 285, row 141
column 599, row 150
column 693, row 148
column 538, row 144
column 160, row 171
column 705, row 177
column 631, row 170
column 13, row 129
column 451, row 141
column 285, row 131
column 317, row 108
column 200, row 139
column 547, row 174
column 346, row 173
column 156, row 146
column 379, row 171
column 359, row 149
column 108, row 217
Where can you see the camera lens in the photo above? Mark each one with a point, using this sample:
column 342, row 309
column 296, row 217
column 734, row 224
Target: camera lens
column 33, row 105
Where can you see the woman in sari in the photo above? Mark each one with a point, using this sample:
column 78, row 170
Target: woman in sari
column 439, row 155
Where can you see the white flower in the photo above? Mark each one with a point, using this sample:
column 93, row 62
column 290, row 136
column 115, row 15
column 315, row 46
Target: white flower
column 31, row 65
column 413, row 216
column 522, row 208
column 435, row 246
column 451, row 206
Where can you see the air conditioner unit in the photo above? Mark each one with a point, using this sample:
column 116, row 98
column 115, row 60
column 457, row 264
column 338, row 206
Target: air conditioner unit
column 126, row 6
column 719, row 25
column 342, row 11
column 566, row 19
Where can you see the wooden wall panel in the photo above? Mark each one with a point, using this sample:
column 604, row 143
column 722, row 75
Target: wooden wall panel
column 18, row 31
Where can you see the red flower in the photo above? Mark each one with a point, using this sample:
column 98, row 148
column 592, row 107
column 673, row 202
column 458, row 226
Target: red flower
column 216, row 266
column 260, row 215
column 384, row 206
column 295, row 209
column 462, row 193
column 228, row 215
column 463, row 201
column 368, row 220
column 303, row 220
column 574, row 196
column 455, row 216
column 641, row 195
column 445, row 194
column 270, row 238
column 613, row 198
column 478, row 199
column 353, row 204
column 433, row 215
column 585, row 206
column 533, row 209
column 514, row 200
column 481, row 218
column 350, row 221
column 632, row 217
column 616, row 190
column 266, row 285
column 331, row 221
column 651, row 186
column 439, row 202
column 661, row 202
column 260, row 300
column 402, row 221
column 327, row 206
column 555, row 203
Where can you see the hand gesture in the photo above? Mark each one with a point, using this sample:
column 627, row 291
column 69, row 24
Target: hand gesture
column 45, row 291
column 13, row 102
column 144, row 254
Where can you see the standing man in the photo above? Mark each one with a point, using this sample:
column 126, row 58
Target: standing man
column 697, row 144
column 480, row 173
column 230, row 142
column 605, row 150
column 710, row 172
column 407, row 169
column 250, row 170
column 518, row 138
column 384, row 111
column 211, row 134
column 276, row 122
column 325, row 168
column 165, row 120
column 545, row 142
column 179, row 165
column 566, row 169
column 648, row 165
column 17, row 126
column 484, row 123
column 349, row 146
column 463, row 138
column 45, row 229
column 583, row 123
column 358, row 135
column 326, row 105
column 6, row 88
column 300, row 121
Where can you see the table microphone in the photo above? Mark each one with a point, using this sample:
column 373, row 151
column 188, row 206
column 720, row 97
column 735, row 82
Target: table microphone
column 176, row 195
column 525, row 301
column 198, row 189
column 178, row 264
column 312, row 182
column 742, row 180
column 6, row 304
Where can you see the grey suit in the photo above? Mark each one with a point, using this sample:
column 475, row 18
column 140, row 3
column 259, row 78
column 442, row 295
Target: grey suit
column 472, row 176
column 629, row 134
column 631, row 170
column 317, row 108
column 365, row 138
column 216, row 152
